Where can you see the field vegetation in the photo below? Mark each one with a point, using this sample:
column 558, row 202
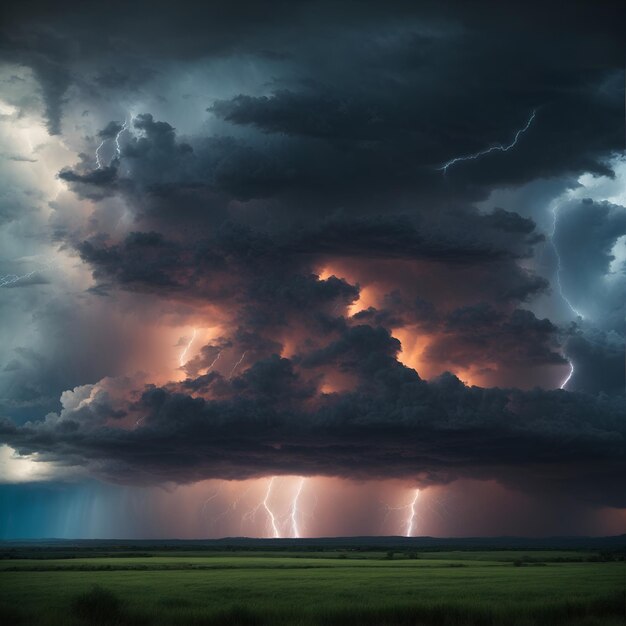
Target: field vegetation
column 307, row 588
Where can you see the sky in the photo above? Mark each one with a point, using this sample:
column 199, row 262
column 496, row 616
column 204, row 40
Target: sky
column 295, row 269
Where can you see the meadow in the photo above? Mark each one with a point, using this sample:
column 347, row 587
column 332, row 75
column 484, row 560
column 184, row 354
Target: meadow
column 336, row 587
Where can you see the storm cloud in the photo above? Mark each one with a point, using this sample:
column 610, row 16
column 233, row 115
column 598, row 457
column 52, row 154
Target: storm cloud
column 262, row 265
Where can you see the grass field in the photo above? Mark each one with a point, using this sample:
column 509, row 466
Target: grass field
column 242, row 588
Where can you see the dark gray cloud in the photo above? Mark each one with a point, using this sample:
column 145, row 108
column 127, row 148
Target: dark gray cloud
column 482, row 334
column 586, row 235
column 600, row 362
column 385, row 114
column 269, row 420
column 110, row 130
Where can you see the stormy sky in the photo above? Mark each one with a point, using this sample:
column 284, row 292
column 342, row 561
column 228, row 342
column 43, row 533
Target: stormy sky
column 345, row 261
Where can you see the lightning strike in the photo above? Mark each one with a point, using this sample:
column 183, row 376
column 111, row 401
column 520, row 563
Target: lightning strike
column 569, row 376
column 411, row 518
column 265, row 505
column 182, row 358
column 98, row 162
column 237, row 365
column 496, row 148
column 210, row 498
column 558, row 264
column 576, row 312
column 410, row 507
column 295, row 531
column 118, row 149
column 11, row 279
column 269, row 512
column 116, row 140
column 215, row 360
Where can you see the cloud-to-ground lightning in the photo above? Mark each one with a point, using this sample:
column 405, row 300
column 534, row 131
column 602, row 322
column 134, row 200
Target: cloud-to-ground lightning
column 270, row 513
column 555, row 217
column 497, row 148
column 243, row 356
column 182, row 359
column 295, row 530
column 265, row 505
column 411, row 517
column 409, row 524
column 290, row 522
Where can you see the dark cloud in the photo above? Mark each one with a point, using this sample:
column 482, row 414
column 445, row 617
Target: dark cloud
column 110, row 130
column 48, row 55
column 391, row 425
column 481, row 334
column 600, row 366
column 303, row 114
column 98, row 178
column 586, row 235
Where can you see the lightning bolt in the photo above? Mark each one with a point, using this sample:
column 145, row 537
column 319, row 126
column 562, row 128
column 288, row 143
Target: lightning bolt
column 555, row 217
column 269, row 512
column 498, row 147
column 569, row 376
column 231, row 507
column 411, row 518
column 237, row 365
column 10, row 279
column 210, row 498
column 116, row 140
column 295, row 531
column 215, row 360
column 98, row 162
column 576, row 312
column 265, row 505
column 118, row 149
column 411, row 513
column 183, row 354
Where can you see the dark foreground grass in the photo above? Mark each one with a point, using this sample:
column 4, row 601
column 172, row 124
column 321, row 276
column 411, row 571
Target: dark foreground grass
column 291, row 591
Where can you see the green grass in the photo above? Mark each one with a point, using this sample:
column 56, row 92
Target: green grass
column 442, row 589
